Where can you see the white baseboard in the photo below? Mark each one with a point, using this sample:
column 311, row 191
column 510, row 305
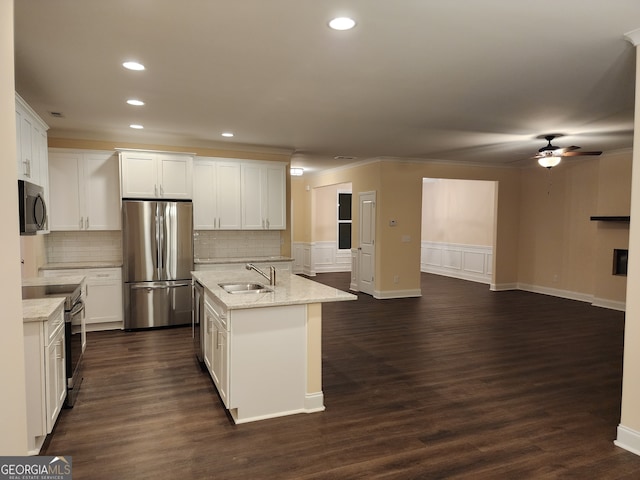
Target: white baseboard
column 503, row 287
column 396, row 294
column 102, row 326
column 314, row 402
column 628, row 439
column 610, row 304
column 556, row 292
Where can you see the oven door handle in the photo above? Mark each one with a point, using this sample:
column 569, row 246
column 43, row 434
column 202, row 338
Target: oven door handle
column 77, row 308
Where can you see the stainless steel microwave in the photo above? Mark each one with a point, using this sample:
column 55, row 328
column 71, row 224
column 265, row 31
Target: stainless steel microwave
column 33, row 209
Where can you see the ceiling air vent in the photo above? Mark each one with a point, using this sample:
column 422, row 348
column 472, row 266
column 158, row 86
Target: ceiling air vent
column 56, row 114
column 344, row 157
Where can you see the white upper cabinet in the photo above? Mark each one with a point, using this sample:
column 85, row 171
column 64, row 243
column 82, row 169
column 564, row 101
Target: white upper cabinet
column 159, row 175
column 85, row 191
column 263, row 196
column 216, row 194
column 31, row 145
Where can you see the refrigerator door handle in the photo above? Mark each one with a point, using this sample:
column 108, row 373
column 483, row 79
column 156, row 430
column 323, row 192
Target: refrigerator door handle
column 161, row 244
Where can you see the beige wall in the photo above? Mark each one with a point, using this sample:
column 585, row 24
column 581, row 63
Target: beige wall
column 325, row 206
column 543, row 233
column 13, row 416
column 458, row 211
column 398, row 185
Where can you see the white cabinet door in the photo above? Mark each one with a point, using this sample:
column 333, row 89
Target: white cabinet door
column 208, row 337
column 175, row 177
column 216, row 195
column 29, row 167
column 31, row 158
column 228, row 195
column 139, row 172
column 84, row 191
column 252, row 197
column 204, row 195
column 263, row 196
column 64, row 191
column 156, row 175
column 56, row 378
column 101, row 189
column 276, row 193
column 221, row 362
column 103, row 303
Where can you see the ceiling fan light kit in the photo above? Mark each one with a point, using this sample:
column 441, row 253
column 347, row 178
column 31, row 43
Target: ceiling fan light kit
column 549, row 161
column 549, row 156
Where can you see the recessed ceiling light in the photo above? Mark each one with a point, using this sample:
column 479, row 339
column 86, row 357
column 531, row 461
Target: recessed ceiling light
column 133, row 66
column 227, row 134
column 342, row 23
column 137, row 127
column 133, row 101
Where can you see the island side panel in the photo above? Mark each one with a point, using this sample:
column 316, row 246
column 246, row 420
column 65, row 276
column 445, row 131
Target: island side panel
column 314, row 398
column 268, row 351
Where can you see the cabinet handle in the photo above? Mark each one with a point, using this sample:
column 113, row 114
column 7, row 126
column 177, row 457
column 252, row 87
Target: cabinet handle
column 87, row 224
column 81, row 223
column 268, row 224
column 59, row 350
column 155, row 190
column 27, row 168
column 218, row 344
column 161, row 191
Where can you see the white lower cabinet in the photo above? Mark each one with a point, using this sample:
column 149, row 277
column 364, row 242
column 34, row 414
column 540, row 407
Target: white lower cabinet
column 208, row 335
column 46, row 376
column 216, row 352
column 102, row 297
column 257, row 359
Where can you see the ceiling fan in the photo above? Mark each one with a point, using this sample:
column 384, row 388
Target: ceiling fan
column 549, row 156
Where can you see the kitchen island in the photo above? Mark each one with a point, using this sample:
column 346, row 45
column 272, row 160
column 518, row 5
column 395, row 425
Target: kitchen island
column 264, row 350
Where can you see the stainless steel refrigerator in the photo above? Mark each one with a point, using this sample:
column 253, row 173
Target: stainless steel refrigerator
column 157, row 249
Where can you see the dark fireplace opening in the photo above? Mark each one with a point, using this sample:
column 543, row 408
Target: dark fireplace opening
column 620, row 259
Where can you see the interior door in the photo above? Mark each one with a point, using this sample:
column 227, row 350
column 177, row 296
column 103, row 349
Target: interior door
column 367, row 235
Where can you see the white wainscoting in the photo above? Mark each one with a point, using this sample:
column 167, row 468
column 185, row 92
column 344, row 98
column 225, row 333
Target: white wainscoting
column 467, row 262
column 320, row 257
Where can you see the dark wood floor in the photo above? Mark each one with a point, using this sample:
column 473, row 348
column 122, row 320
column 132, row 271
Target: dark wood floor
column 461, row 383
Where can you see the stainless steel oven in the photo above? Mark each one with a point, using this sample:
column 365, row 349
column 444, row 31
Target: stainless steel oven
column 74, row 328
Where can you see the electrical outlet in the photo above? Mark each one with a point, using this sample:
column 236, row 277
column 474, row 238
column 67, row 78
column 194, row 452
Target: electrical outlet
column 396, row 279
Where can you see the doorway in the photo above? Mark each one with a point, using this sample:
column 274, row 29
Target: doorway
column 459, row 228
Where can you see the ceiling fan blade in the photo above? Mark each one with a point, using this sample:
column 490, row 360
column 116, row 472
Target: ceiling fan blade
column 579, row 154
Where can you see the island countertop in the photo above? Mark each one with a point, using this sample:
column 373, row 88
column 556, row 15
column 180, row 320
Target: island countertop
column 288, row 290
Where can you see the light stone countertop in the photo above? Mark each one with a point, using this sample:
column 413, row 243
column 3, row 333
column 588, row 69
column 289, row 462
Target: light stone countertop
column 61, row 280
column 242, row 260
column 77, row 265
column 289, row 290
column 40, row 309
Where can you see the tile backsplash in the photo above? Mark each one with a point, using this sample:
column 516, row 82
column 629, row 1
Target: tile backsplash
column 106, row 246
column 98, row 246
column 233, row 244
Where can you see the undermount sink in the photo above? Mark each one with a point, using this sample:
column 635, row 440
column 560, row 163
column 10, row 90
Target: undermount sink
column 244, row 288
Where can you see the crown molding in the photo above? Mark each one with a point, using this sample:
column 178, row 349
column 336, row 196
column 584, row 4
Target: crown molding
column 633, row 37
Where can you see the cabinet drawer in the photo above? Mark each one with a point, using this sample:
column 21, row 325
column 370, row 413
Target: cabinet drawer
column 55, row 324
column 219, row 310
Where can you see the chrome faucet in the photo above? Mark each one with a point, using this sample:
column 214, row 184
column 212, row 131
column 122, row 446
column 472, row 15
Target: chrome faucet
column 272, row 272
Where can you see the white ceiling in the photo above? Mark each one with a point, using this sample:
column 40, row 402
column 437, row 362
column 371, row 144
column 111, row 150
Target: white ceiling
column 471, row 81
